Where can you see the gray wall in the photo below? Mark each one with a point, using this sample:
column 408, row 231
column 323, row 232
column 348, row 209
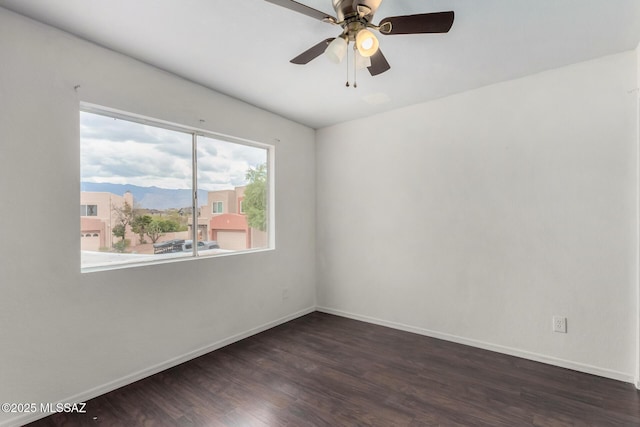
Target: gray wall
column 65, row 334
column 506, row 205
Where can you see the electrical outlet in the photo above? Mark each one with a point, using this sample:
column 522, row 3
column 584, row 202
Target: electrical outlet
column 285, row 294
column 560, row 324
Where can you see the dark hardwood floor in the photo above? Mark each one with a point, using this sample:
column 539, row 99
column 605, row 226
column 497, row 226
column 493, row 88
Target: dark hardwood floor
column 324, row 370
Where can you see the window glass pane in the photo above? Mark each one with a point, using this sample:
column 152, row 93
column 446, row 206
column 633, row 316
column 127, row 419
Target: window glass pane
column 228, row 173
column 135, row 191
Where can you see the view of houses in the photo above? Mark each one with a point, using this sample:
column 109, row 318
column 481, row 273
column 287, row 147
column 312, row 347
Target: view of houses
column 222, row 220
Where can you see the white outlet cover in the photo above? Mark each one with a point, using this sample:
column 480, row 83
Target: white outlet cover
column 560, row 324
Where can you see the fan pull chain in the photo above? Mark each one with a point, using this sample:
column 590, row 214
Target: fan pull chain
column 347, row 61
column 355, row 67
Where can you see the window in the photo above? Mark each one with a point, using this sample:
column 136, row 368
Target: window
column 88, row 210
column 146, row 185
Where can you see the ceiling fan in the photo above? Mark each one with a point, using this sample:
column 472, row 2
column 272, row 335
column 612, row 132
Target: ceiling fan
column 355, row 16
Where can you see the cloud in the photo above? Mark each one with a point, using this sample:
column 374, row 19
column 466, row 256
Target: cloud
column 119, row 151
column 94, row 126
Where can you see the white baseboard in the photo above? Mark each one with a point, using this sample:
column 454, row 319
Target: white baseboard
column 136, row 376
column 576, row 366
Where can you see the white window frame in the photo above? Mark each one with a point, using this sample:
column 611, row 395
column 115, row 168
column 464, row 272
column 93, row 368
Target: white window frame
column 195, row 132
column 213, row 210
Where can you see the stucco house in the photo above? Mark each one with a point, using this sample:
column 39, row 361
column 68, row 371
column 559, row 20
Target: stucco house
column 223, row 219
column 98, row 217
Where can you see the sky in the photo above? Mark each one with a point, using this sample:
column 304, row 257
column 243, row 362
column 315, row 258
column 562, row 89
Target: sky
column 122, row 152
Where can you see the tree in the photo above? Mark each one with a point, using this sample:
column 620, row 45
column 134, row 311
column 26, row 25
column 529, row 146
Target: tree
column 255, row 197
column 169, row 225
column 157, row 227
column 154, row 230
column 139, row 225
column 124, row 217
column 119, row 230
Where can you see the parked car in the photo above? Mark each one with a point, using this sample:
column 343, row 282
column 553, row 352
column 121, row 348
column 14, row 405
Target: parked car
column 179, row 245
column 168, row 246
column 202, row 245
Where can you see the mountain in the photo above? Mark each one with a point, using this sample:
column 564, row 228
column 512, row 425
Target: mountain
column 148, row 197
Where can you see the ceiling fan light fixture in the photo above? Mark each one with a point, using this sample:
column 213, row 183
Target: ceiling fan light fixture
column 355, row 17
column 366, row 42
column 336, row 50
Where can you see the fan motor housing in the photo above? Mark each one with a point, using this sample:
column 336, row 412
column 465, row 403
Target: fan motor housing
column 352, row 28
column 348, row 8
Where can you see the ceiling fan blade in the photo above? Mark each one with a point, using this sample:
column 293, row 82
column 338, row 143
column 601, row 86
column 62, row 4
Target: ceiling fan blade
column 305, row 10
column 439, row 22
column 312, row 53
column 379, row 64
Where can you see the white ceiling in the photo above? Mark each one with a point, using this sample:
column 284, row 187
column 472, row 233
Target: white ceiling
column 242, row 47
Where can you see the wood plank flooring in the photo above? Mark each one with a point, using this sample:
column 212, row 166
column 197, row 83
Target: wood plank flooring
column 324, row 370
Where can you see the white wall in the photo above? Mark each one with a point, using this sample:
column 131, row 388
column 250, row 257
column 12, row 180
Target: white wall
column 637, row 91
column 479, row 216
column 66, row 334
